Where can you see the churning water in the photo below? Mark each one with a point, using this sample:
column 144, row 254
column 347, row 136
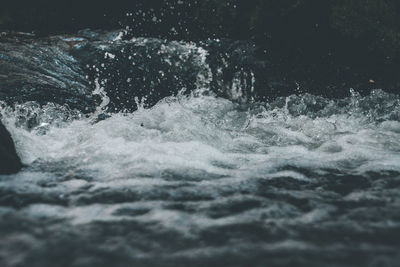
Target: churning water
column 200, row 178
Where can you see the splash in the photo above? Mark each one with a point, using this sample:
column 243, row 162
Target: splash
column 182, row 174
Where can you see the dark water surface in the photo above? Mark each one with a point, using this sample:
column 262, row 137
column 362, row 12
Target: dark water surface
column 145, row 152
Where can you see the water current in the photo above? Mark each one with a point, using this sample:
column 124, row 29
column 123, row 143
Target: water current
column 148, row 152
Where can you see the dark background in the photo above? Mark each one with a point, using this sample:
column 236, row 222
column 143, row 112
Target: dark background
column 321, row 43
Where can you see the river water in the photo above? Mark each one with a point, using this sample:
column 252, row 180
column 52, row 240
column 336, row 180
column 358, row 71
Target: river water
column 204, row 174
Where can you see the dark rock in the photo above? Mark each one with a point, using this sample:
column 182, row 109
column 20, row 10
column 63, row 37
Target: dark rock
column 9, row 160
column 41, row 70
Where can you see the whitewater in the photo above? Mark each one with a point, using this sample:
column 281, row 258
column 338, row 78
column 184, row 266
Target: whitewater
column 200, row 177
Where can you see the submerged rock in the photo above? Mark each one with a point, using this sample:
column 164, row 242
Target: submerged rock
column 9, row 160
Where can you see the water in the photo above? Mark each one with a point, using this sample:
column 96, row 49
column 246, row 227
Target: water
column 207, row 176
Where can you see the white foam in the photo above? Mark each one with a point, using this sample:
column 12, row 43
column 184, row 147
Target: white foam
column 204, row 146
column 205, row 133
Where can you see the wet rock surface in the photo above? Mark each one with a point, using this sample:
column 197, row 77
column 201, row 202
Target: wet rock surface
column 42, row 71
column 9, row 160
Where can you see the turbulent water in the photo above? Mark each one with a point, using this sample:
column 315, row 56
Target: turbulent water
column 207, row 176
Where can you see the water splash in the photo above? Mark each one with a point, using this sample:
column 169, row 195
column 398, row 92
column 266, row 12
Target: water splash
column 193, row 176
